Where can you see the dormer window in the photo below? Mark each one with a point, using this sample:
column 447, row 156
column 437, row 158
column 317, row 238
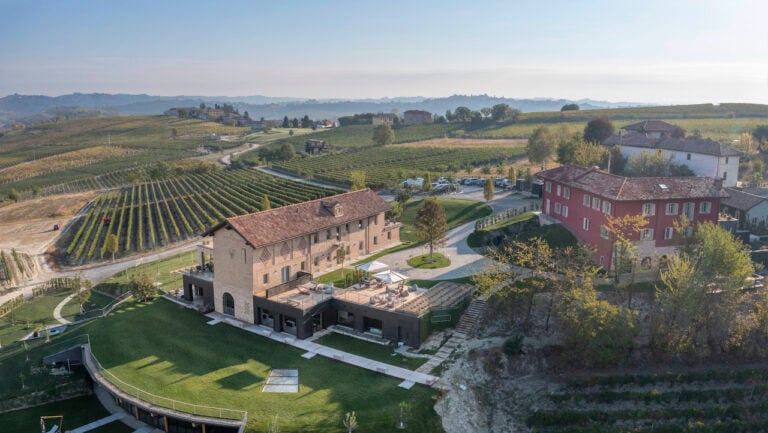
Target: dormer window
column 338, row 210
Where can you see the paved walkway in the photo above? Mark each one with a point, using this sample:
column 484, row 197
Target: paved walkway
column 99, row 422
column 409, row 377
column 57, row 310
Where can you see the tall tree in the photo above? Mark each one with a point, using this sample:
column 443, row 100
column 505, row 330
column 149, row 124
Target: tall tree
column 383, row 135
column 501, row 112
column 286, row 123
column 598, row 129
column 512, row 176
column 357, row 178
column 462, row 114
column 142, row 287
column 112, row 244
column 431, row 224
column 286, row 152
column 265, row 204
column 622, row 232
column 488, row 190
column 427, row 185
column 82, row 289
column 541, row 145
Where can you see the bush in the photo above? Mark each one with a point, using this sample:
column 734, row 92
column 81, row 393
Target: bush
column 514, row 345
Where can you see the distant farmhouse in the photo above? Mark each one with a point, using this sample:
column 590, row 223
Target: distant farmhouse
column 225, row 114
column 385, row 118
column 705, row 157
column 417, row 117
column 751, row 210
column 582, row 199
column 314, row 146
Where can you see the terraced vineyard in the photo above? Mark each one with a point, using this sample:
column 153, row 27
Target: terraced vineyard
column 154, row 214
column 709, row 401
column 388, row 165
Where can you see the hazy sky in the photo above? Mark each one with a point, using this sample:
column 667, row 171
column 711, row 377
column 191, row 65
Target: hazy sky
column 650, row 51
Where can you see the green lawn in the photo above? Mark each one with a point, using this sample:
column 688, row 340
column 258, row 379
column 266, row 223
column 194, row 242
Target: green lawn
column 423, row 262
column 428, row 284
column 22, row 321
column 457, row 212
column 71, row 310
column 77, row 412
column 166, row 271
column 226, row 367
column 369, row 350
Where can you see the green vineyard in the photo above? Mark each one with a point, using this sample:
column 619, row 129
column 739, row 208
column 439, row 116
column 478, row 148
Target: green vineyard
column 389, row 165
column 150, row 215
column 726, row 401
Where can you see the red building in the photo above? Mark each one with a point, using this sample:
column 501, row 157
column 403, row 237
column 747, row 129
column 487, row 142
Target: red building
column 582, row 198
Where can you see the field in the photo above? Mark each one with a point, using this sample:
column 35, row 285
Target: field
column 155, row 214
column 226, row 367
column 389, row 165
column 728, row 400
column 362, row 135
column 143, row 140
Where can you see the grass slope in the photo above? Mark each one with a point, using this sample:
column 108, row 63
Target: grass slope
column 369, row 350
column 457, row 212
column 77, row 412
column 226, row 367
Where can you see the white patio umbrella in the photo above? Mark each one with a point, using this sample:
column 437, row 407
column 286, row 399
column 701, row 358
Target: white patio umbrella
column 374, row 266
column 390, row 277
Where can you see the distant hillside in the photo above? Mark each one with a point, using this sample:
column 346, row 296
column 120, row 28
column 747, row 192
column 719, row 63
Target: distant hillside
column 31, row 108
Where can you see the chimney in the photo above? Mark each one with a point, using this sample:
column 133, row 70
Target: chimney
column 719, row 183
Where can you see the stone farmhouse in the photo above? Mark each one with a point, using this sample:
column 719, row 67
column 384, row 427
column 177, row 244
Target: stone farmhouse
column 382, row 118
column 705, row 157
column 582, row 198
column 417, row 117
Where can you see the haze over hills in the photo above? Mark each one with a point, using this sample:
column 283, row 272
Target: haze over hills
column 35, row 108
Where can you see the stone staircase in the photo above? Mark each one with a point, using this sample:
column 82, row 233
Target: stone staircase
column 471, row 318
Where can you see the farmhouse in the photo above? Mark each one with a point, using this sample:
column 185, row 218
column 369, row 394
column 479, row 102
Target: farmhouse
column 382, row 118
column 315, row 146
column 705, row 157
column 417, row 117
column 582, row 198
column 749, row 209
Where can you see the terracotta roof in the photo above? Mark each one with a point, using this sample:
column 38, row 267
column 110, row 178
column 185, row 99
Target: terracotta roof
column 275, row 225
column 619, row 188
column 742, row 200
column 704, row 146
column 650, row 126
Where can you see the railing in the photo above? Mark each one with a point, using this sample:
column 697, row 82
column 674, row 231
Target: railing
column 169, row 403
column 101, row 312
column 505, row 215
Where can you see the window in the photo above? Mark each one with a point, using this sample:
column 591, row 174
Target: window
column 565, row 211
column 376, row 220
column 265, row 278
column 606, row 207
column 725, row 175
column 688, row 210
column 705, row 207
column 646, row 234
column 360, row 224
column 604, row 232
column 649, row 209
column 548, row 186
column 669, row 232
column 586, row 200
column 314, row 238
column 726, row 160
column 389, row 235
column 347, row 227
column 595, row 203
column 327, row 234
column 338, row 230
column 567, row 193
column 375, row 240
column 585, row 224
column 558, row 190
column 360, row 245
column 317, row 261
column 688, row 231
column 328, row 258
column 646, row 263
column 285, row 273
column 688, row 157
column 672, row 208
column 303, row 264
column 602, row 259
column 558, row 208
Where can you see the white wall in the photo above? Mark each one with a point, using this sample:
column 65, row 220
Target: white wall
column 700, row 164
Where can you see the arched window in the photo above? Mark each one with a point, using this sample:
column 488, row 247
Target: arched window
column 646, row 263
column 229, row 304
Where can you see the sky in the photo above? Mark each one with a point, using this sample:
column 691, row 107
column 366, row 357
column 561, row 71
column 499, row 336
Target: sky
column 656, row 51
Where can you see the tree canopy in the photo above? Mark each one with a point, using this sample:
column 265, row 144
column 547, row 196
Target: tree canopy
column 488, row 189
column 357, row 177
column 541, row 145
column 598, row 129
column 502, row 112
column 579, row 152
column 654, row 164
column 142, row 287
column 570, row 107
column 431, row 224
column 383, row 135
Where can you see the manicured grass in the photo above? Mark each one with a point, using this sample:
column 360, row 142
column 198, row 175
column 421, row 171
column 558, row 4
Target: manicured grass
column 369, row 350
column 423, row 262
column 403, row 246
column 555, row 235
column 519, row 218
column 77, row 412
column 167, row 272
column 22, row 321
column 335, row 277
column 169, row 350
column 71, row 310
column 457, row 212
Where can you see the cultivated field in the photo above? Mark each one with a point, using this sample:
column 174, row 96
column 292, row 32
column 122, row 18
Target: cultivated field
column 469, row 142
